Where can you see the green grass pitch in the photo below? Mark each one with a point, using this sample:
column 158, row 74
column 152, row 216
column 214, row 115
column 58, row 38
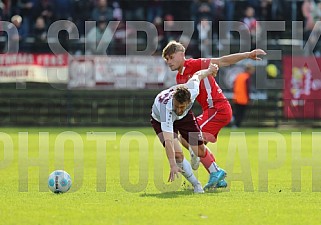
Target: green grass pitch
column 120, row 177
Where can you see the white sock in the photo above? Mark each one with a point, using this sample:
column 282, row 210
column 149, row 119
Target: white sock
column 213, row 168
column 191, row 151
column 189, row 175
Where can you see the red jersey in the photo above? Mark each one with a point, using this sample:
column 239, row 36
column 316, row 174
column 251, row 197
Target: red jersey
column 210, row 95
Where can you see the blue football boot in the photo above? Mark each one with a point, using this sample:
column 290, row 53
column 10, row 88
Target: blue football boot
column 215, row 177
column 221, row 184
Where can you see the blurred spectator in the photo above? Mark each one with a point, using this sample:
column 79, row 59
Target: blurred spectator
column 1, row 17
column 17, row 22
column 241, row 94
column 180, row 9
column 16, row 34
column 159, row 40
column 121, row 39
column 46, row 10
column 40, row 34
column 279, row 12
column 12, row 6
column 276, row 10
column 101, row 9
column 311, row 12
column 205, row 37
column 81, row 12
column 154, row 9
column 171, row 33
column 133, row 10
column 250, row 24
column 308, row 7
column 63, row 9
column 40, row 30
column 25, row 9
column 255, row 4
column 5, row 6
column 98, row 38
column 266, row 10
column 229, row 16
column 218, row 15
column 317, row 11
column 202, row 9
column 117, row 11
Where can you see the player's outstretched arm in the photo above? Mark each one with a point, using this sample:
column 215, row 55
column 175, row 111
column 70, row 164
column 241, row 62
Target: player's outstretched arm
column 255, row 53
column 170, row 152
column 234, row 58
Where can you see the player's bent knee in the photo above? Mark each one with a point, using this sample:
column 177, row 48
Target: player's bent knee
column 179, row 156
column 209, row 137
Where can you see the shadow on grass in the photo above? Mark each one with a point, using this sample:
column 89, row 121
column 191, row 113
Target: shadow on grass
column 176, row 194
column 171, row 194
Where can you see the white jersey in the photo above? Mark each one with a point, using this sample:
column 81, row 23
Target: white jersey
column 163, row 110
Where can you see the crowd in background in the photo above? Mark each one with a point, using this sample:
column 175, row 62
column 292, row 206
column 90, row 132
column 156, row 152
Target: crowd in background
column 32, row 18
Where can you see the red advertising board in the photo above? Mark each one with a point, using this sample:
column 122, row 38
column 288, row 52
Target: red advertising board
column 28, row 67
column 302, row 90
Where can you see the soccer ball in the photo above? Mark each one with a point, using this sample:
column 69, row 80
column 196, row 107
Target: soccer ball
column 59, row 181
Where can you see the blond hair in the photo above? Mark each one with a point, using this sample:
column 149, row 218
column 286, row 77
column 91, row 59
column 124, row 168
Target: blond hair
column 171, row 48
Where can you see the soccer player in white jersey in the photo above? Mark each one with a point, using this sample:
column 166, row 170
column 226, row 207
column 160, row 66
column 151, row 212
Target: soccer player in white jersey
column 171, row 114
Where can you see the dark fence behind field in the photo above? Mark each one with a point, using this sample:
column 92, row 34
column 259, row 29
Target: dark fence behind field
column 35, row 104
column 44, row 105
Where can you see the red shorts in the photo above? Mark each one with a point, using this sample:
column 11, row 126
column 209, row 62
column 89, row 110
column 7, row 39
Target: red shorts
column 187, row 127
column 212, row 120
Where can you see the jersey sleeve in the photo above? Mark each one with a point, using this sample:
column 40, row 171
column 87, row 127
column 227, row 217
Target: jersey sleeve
column 167, row 122
column 191, row 66
column 199, row 64
column 193, row 86
column 204, row 63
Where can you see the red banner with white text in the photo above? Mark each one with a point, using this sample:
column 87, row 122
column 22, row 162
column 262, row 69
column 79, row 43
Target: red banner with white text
column 25, row 67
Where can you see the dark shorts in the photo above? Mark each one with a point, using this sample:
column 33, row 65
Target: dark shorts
column 187, row 127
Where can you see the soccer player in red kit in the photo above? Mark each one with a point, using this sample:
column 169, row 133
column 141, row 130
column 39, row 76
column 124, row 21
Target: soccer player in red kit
column 217, row 111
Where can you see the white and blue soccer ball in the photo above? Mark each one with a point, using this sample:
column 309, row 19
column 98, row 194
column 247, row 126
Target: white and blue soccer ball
column 59, row 181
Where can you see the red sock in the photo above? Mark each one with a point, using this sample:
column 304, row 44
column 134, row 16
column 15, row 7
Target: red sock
column 208, row 159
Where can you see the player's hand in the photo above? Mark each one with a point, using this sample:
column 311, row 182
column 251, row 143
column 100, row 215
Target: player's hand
column 255, row 53
column 175, row 170
column 213, row 69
